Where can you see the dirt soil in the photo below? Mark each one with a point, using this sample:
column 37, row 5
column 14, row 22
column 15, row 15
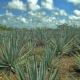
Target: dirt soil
column 66, row 68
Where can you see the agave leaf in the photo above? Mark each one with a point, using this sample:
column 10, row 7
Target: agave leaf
column 6, row 77
column 54, row 76
column 42, row 70
column 28, row 67
column 21, row 73
column 71, row 78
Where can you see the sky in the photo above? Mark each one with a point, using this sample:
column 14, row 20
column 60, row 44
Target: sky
column 39, row 13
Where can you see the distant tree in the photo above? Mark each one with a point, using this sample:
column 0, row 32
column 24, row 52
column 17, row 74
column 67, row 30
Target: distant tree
column 3, row 27
column 64, row 26
column 24, row 29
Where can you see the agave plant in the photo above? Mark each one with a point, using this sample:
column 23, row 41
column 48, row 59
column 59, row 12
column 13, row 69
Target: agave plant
column 77, row 44
column 11, row 53
column 41, row 36
column 49, row 55
column 63, row 40
column 76, row 63
column 34, row 72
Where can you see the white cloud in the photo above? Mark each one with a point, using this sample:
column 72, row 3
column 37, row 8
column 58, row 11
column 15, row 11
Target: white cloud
column 73, row 17
column 22, row 19
column 77, row 12
column 59, row 12
column 31, row 13
column 56, row 13
column 31, row 21
column 75, row 2
column 34, row 7
column 53, row 18
column 47, row 4
column 48, row 20
column 39, row 14
column 9, row 14
column 4, row 21
column 43, row 13
column 32, row 1
column 32, row 4
column 62, row 21
column 14, row 21
column 16, row 4
column 62, row 13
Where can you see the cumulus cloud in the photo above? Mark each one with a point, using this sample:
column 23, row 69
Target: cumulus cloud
column 48, row 20
column 39, row 14
column 73, row 17
column 38, row 18
column 47, row 4
column 4, row 21
column 12, row 20
column 32, row 4
column 22, row 19
column 32, row 1
column 77, row 12
column 56, row 13
column 59, row 12
column 62, row 21
column 33, row 21
column 9, row 14
column 62, row 13
column 75, row 2
column 16, row 5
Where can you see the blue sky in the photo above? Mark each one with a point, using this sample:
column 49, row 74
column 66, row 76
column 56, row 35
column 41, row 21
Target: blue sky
column 39, row 13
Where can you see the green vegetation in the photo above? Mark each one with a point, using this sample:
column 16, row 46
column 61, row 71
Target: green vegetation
column 3, row 27
column 35, row 54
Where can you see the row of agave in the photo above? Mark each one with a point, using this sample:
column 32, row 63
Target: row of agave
column 14, row 57
column 16, row 47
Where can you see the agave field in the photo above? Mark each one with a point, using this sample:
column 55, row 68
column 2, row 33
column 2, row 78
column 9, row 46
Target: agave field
column 40, row 53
